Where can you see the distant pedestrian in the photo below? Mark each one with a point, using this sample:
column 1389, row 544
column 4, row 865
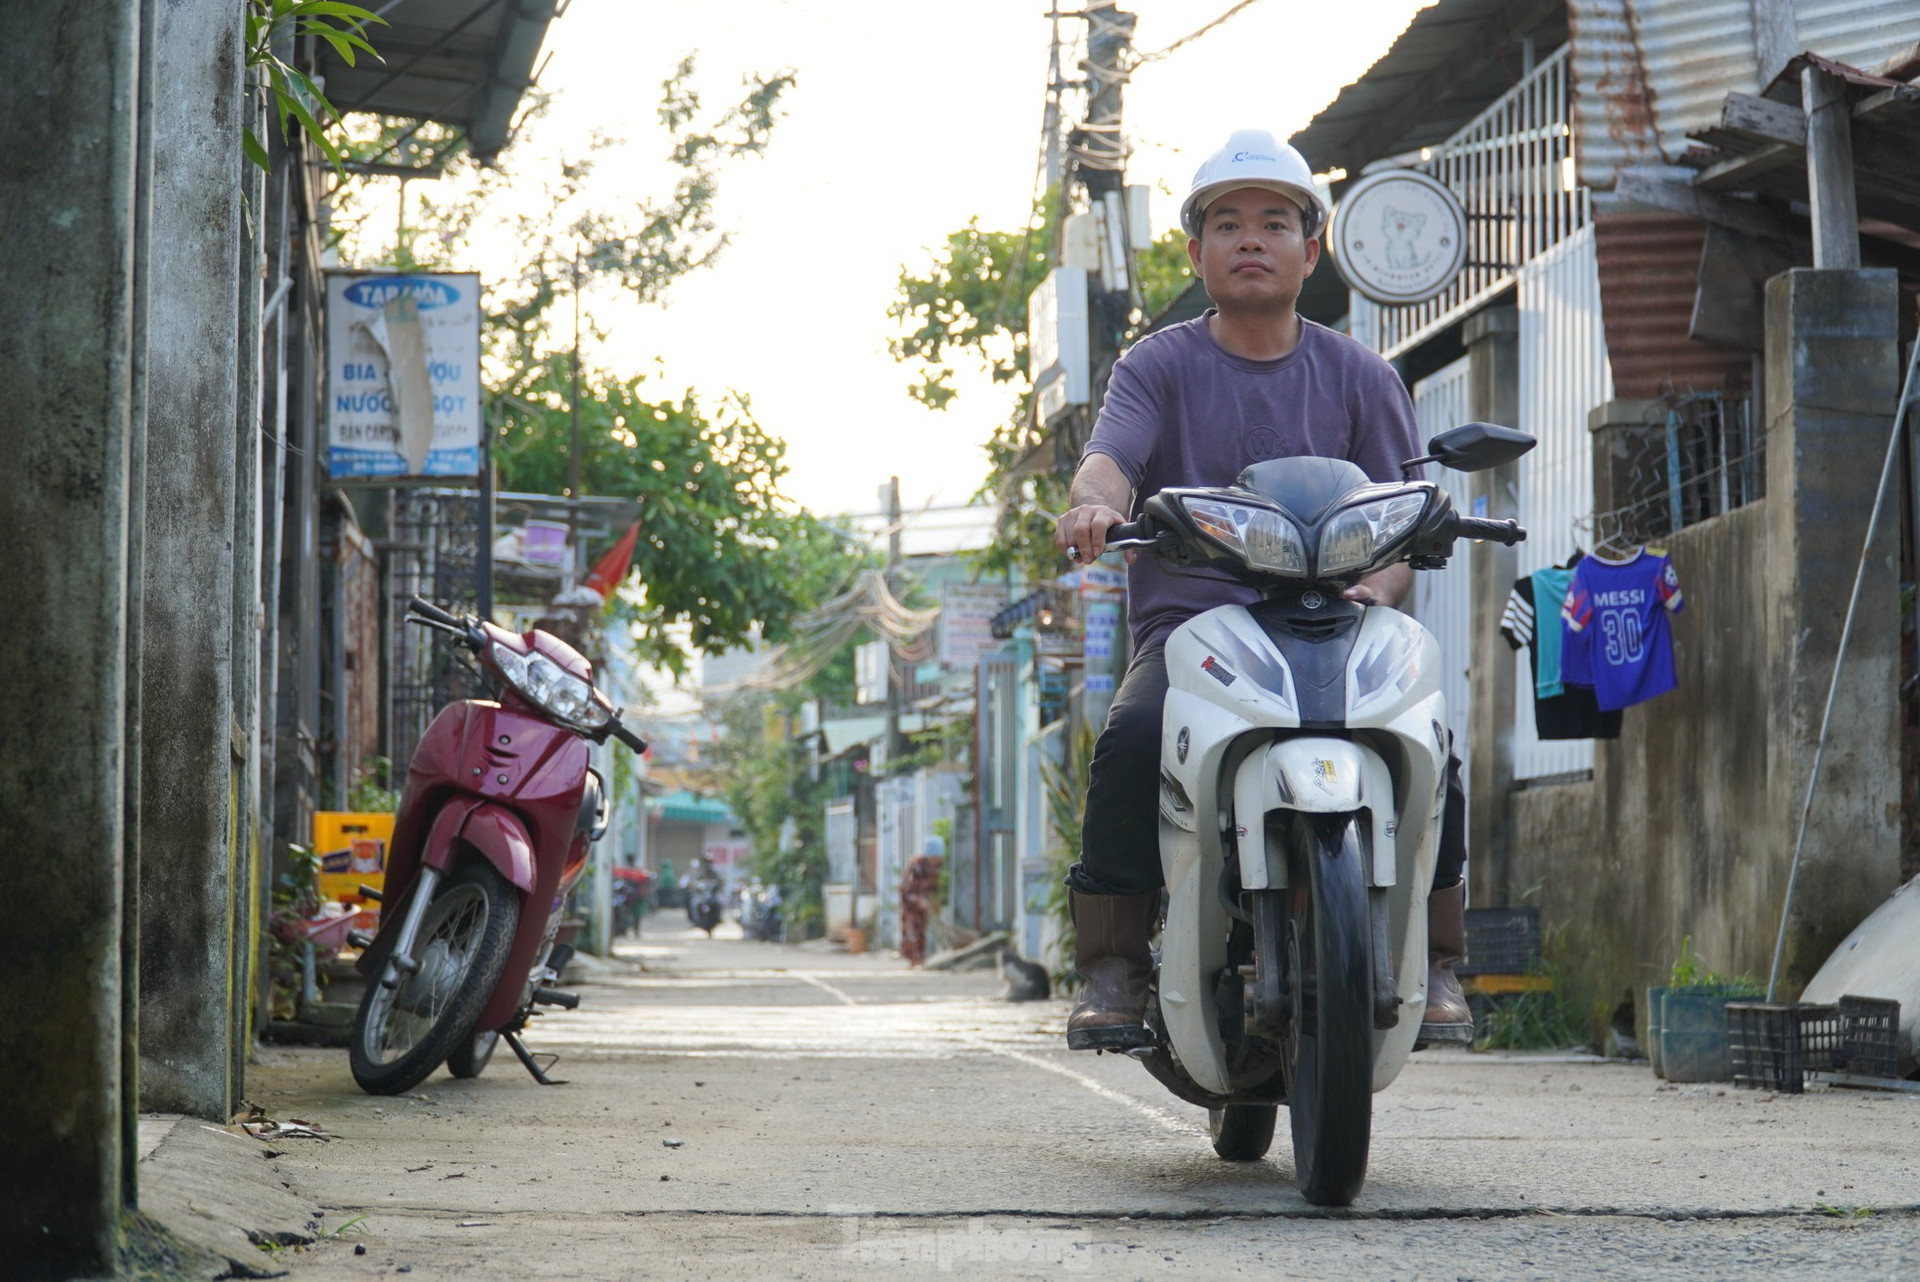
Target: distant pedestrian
column 919, row 887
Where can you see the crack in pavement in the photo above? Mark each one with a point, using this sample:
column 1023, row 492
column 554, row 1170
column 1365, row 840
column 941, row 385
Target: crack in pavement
column 1380, row 1214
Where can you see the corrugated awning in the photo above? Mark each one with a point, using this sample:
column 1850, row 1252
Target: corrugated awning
column 463, row 63
column 1453, row 59
column 691, row 807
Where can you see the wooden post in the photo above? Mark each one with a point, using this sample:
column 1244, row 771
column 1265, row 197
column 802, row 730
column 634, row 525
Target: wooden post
column 1836, row 219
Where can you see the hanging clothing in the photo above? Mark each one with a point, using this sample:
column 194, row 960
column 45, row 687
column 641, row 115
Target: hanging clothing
column 1618, row 639
column 1560, row 711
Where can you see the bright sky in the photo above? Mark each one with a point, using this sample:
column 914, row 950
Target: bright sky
column 909, row 117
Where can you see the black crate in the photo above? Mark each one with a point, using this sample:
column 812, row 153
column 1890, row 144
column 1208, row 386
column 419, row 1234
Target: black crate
column 1774, row 1045
column 1501, row 941
column 1869, row 1036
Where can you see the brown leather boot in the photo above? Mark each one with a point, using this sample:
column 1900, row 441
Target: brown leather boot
column 1447, row 1021
column 1115, row 961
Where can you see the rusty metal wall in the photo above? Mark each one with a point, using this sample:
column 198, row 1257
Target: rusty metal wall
column 359, row 723
column 1648, row 264
column 1647, row 71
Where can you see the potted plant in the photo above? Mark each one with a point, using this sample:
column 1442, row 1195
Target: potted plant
column 1692, row 1019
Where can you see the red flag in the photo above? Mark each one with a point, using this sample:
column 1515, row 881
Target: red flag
column 611, row 569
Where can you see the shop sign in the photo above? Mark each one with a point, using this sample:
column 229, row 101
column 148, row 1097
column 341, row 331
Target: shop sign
column 403, row 375
column 1398, row 237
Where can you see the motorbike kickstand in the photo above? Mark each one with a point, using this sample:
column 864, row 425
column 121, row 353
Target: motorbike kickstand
column 527, row 1061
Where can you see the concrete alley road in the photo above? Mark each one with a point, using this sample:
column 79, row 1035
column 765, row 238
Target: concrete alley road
column 751, row 1109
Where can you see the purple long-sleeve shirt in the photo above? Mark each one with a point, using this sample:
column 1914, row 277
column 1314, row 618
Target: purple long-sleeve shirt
column 1182, row 410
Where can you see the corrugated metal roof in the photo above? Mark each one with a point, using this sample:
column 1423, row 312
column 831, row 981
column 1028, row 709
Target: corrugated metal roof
column 1647, row 72
column 1438, row 74
column 1648, row 264
column 461, row 62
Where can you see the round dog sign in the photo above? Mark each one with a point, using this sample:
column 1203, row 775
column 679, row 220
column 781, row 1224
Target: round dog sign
column 1398, row 237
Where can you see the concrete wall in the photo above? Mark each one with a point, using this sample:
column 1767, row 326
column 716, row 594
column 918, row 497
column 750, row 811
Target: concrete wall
column 1677, row 833
column 190, row 854
column 1688, row 825
column 1833, row 376
column 69, row 193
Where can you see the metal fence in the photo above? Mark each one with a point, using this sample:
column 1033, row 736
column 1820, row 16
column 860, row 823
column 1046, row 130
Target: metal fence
column 1443, row 600
column 433, row 552
column 1564, row 374
column 1511, row 167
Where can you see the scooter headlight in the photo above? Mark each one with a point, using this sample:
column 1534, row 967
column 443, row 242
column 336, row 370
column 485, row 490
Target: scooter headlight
column 1356, row 537
column 547, row 685
column 1262, row 537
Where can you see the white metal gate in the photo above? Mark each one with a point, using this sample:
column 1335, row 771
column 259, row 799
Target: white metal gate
column 1564, row 374
column 1443, row 599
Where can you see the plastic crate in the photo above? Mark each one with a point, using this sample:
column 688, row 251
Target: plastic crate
column 1774, row 1045
column 1501, row 941
column 1869, row 1036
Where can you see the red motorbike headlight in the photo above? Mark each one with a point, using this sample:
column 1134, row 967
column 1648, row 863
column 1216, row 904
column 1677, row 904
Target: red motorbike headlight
column 547, row 685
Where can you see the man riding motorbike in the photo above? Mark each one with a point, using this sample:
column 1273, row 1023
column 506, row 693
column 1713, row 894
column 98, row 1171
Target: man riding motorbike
column 1192, row 405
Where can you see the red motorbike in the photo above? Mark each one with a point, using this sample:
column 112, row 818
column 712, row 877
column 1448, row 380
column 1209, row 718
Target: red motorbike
column 494, row 827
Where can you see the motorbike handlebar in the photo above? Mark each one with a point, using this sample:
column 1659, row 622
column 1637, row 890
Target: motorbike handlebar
column 1472, row 527
column 1128, row 532
column 628, row 737
column 425, row 611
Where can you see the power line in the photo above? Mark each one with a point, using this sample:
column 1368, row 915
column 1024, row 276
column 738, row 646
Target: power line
column 1191, row 36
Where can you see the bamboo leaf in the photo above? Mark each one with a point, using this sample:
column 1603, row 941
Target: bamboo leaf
column 251, row 146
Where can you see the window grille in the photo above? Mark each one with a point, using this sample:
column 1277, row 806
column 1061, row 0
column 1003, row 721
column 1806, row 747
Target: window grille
column 1701, row 456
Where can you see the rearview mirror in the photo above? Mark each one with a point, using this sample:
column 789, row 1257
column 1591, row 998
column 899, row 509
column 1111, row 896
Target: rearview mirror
column 1475, row 447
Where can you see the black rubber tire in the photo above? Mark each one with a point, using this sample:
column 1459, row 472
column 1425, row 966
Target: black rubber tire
column 1330, row 1054
column 1243, row 1132
column 469, row 1058
column 478, row 904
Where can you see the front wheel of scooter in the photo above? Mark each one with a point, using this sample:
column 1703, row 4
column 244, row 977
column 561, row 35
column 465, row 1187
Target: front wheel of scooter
column 1329, row 1061
column 1242, row 1132
column 401, row 1034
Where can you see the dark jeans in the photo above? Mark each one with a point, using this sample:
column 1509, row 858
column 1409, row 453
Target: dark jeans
column 1120, row 836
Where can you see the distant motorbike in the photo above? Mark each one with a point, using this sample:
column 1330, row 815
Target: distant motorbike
column 704, row 903
column 631, row 889
column 759, row 912
column 493, row 831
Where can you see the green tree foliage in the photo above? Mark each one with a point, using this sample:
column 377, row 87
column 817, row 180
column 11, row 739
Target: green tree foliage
column 293, row 96
column 779, row 796
column 970, row 305
column 723, row 558
column 718, row 550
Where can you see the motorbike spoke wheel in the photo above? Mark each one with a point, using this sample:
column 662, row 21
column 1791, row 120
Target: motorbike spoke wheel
column 1242, row 1132
column 469, row 1058
column 1329, row 1049
column 401, row 1034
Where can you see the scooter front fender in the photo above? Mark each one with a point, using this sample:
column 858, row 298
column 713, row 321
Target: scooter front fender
column 496, row 832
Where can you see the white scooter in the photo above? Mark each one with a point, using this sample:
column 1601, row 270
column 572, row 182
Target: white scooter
column 1302, row 777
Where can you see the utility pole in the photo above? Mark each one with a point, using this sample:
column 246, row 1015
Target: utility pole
column 1054, row 166
column 1099, row 162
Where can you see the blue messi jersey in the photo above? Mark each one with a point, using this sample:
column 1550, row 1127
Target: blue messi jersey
column 1616, row 636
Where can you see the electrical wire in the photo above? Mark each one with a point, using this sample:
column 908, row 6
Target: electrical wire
column 1049, row 122
column 826, row 629
column 1191, row 36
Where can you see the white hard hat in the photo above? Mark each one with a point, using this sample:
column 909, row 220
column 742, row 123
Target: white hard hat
column 1255, row 158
